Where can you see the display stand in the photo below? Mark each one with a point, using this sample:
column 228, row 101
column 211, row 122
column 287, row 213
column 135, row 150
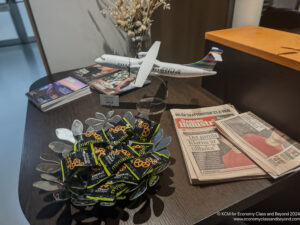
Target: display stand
column 154, row 105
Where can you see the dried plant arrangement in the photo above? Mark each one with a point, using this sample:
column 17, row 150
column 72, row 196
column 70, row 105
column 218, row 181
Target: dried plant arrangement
column 134, row 16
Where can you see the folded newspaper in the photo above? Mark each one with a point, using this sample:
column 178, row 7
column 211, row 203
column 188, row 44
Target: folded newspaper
column 208, row 155
column 272, row 150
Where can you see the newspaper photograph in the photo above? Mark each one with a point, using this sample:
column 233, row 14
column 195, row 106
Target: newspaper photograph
column 273, row 151
column 208, row 155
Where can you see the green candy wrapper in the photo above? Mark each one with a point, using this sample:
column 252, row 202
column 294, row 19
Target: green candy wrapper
column 114, row 163
column 89, row 138
column 120, row 132
column 77, row 159
column 142, row 147
column 116, row 156
column 146, row 164
column 144, row 129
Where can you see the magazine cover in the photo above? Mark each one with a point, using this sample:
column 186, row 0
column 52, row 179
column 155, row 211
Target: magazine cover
column 115, row 83
column 92, row 72
column 55, row 90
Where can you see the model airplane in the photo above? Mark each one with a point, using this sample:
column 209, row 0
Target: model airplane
column 146, row 64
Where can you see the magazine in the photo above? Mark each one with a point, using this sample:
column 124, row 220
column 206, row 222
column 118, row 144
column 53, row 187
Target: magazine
column 272, row 150
column 93, row 72
column 57, row 93
column 115, row 83
column 208, row 155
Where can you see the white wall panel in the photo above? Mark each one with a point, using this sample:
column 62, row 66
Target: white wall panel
column 247, row 12
column 74, row 32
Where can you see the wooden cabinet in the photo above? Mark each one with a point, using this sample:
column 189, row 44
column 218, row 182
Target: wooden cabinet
column 260, row 72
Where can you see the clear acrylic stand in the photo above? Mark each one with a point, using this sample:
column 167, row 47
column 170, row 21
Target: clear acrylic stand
column 153, row 105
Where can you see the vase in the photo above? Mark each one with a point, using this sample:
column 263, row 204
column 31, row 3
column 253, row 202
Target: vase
column 138, row 44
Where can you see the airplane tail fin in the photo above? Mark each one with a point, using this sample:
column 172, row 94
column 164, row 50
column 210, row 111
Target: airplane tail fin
column 210, row 60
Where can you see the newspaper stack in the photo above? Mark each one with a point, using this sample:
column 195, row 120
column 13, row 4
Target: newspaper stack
column 272, row 150
column 209, row 156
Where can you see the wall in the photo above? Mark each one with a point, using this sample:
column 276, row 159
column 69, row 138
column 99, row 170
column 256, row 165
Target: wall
column 182, row 29
column 288, row 4
column 74, row 32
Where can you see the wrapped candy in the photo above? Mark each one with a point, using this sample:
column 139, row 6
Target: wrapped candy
column 114, row 159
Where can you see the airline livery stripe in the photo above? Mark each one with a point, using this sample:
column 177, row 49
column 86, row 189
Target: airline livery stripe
column 216, row 50
column 207, row 59
column 204, row 63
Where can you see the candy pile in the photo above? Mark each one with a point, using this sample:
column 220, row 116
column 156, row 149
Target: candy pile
column 114, row 159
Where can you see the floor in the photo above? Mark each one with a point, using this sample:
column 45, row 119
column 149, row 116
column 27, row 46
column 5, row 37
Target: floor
column 8, row 30
column 19, row 66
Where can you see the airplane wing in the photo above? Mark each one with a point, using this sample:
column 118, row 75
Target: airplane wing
column 147, row 65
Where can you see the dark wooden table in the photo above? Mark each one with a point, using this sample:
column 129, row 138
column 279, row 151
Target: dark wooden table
column 172, row 201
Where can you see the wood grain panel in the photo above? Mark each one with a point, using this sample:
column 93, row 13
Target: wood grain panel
column 182, row 29
column 273, row 45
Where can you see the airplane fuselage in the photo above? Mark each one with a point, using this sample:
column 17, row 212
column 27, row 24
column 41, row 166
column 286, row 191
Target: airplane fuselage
column 159, row 68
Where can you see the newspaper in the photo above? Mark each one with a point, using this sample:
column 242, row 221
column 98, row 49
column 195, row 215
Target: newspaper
column 272, row 150
column 210, row 157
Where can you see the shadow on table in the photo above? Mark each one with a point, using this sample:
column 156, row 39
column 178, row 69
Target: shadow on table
column 161, row 93
column 140, row 209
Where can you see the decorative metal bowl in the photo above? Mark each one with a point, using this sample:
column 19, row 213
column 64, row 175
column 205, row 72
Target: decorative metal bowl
column 116, row 158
